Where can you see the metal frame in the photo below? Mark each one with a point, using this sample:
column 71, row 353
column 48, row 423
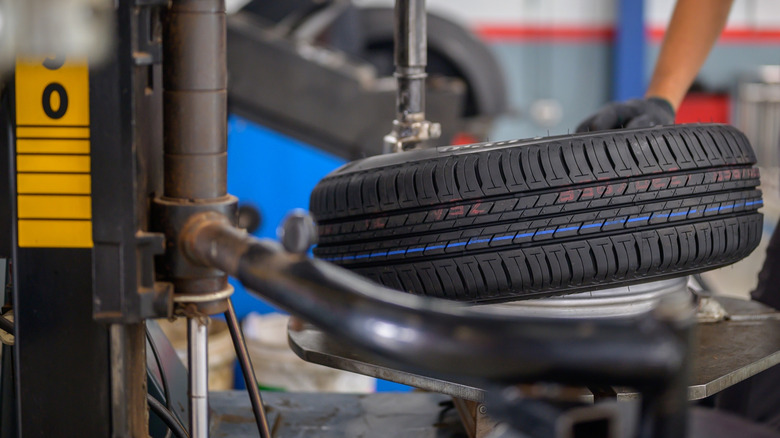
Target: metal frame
column 717, row 365
column 86, row 307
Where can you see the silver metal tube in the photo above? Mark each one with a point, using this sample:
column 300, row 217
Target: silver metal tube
column 411, row 57
column 410, row 129
column 197, row 360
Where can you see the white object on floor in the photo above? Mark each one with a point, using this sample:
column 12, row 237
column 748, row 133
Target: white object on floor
column 277, row 367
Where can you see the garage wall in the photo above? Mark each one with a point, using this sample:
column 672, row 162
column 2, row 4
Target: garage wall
column 557, row 54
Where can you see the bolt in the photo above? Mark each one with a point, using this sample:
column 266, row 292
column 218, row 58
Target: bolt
column 298, row 232
column 482, row 409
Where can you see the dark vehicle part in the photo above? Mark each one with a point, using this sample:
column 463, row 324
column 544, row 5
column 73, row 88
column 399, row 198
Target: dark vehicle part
column 249, row 218
column 342, row 106
column 452, row 52
column 346, row 56
column 367, row 33
column 275, row 12
column 519, row 219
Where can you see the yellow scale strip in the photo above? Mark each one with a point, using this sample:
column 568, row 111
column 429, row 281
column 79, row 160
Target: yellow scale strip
column 53, row 165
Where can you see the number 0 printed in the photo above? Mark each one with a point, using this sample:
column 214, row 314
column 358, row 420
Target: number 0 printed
column 53, row 164
column 61, row 91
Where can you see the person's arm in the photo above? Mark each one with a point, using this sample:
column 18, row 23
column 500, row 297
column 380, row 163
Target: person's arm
column 693, row 30
column 695, row 26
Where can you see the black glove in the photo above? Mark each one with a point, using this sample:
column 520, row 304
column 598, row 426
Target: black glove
column 636, row 113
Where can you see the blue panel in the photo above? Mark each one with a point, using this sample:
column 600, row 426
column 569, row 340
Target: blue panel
column 274, row 173
column 388, row 386
column 628, row 80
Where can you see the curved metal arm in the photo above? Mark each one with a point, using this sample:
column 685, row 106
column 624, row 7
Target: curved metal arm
column 440, row 336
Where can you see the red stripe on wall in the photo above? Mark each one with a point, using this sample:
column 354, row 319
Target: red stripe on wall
column 511, row 33
column 729, row 36
column 574, row 34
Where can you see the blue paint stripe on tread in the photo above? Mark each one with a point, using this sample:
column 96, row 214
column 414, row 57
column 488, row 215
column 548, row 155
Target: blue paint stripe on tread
column 485, row 240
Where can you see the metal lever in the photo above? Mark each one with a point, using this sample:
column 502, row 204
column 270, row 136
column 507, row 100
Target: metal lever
column 441, row 338
column 410, row 129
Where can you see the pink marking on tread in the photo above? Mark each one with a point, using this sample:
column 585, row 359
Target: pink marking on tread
column 457, row 211
column 641, row 186
column 378, row 223
column 588, row 193
column 566, row 196
column 678, row 181
column 659, row 184
column 475, row 209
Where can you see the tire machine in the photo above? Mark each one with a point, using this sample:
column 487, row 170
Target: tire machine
column 117, row 212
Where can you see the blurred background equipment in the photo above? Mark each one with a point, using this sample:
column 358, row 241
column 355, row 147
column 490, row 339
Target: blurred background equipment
column 757, row 112
column 74, row 28
column 331, row 66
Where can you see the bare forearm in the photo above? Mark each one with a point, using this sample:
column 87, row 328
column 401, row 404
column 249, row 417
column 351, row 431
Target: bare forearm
column 695, row 26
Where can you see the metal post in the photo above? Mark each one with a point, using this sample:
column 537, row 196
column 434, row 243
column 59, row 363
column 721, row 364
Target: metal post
column 195, row 100
column 195, row 172
column 129, row 416
column 198, row 363
column 410, row 129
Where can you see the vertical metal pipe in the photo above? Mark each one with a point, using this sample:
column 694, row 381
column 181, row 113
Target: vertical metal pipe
column 248, row 371
column 411, row 57
column 197, row 361
column 195, row 100
column 410, row 129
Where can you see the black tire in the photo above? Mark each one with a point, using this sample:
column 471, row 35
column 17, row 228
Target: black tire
column 520, row 219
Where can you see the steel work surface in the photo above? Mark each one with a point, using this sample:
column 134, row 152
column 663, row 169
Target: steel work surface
column 292, row 415
column 405, row 415
column 726, row 353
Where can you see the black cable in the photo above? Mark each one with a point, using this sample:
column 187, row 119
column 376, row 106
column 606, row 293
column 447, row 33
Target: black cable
column 167, row 417
column 6, row 325
column 163, row 378
column 248, row 370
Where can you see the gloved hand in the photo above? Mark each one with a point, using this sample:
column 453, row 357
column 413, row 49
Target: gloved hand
column 636, row 113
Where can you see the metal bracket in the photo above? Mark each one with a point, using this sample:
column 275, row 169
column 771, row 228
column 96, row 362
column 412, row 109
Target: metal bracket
column 474, row 417
column 156, row 296
column 148, row 30
column 410, row 135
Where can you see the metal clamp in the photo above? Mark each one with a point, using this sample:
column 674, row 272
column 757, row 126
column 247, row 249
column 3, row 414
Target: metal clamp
column 410, row 135
column 204, row 298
